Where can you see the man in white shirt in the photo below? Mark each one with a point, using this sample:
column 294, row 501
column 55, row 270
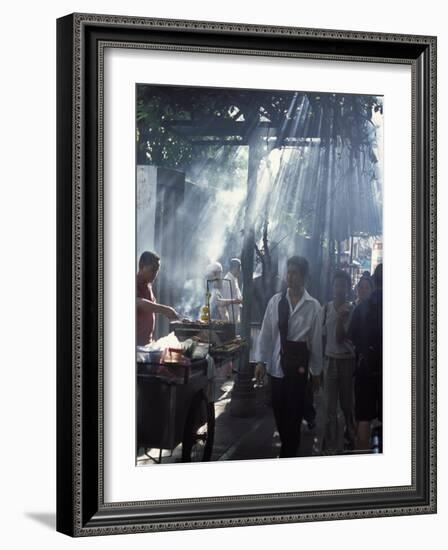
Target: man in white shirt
column 289, row 348
column 232, row 290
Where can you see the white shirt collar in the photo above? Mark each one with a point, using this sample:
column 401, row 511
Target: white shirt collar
column 305, row 297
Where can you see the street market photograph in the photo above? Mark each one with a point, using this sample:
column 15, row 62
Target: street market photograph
column 258, row 262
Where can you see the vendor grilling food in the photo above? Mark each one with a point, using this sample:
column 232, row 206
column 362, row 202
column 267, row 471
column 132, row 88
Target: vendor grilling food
column 231, row 289
column 147, row 307
column 218, row 304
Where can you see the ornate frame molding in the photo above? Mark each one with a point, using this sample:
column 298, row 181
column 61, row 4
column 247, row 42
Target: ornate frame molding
column 81, row 42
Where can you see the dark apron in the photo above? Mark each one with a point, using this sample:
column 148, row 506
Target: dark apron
column 294, row 356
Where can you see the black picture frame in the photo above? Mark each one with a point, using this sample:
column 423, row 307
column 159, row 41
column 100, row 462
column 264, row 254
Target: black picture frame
column 81, row 510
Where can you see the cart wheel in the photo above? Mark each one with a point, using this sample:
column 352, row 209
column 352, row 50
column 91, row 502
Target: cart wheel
column 197, row 443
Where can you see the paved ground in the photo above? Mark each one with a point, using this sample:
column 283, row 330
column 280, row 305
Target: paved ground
column 254, row 437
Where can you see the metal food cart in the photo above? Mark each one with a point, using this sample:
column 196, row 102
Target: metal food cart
column 175, row 401
column 175, row 405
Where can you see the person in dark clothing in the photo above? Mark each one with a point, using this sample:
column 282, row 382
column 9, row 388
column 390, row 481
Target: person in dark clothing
column 366, row 333
column 364, row 288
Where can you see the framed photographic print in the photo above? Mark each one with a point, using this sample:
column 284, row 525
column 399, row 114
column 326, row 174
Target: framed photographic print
column 246, row 274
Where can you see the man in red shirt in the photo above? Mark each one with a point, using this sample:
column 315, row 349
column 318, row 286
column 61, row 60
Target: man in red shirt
column 147, row 307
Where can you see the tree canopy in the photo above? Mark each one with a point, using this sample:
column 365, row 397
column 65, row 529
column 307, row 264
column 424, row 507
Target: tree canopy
column 208, row 112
